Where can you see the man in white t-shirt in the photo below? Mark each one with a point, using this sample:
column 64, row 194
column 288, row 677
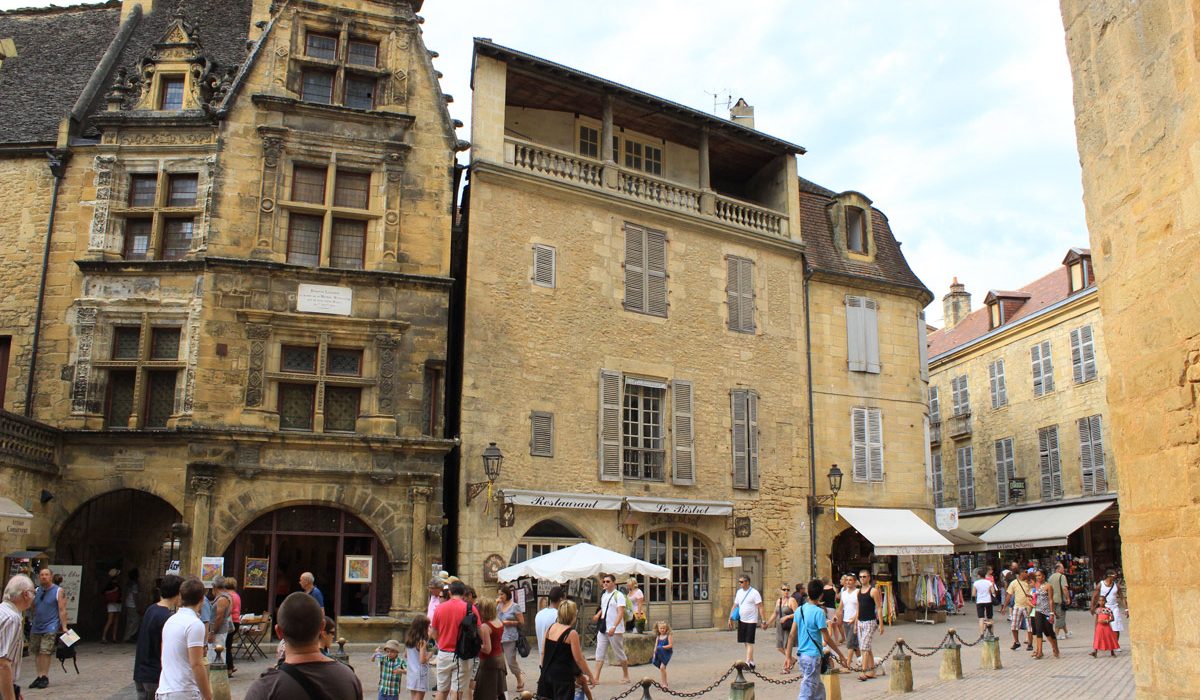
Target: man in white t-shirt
column 547, row 616
column 18, row 597
column 184, row 673
column 747, row 603
column 848, row 601
column 611, row 617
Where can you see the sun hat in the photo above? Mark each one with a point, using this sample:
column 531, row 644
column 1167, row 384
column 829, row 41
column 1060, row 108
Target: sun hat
column 392, row 645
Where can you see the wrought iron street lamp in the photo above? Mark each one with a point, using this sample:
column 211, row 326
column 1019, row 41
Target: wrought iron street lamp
column 835, row 485
column 627, row 521
column 493, row 458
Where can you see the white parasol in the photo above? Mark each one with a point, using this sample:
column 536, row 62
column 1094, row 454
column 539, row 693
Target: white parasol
column 581, row 560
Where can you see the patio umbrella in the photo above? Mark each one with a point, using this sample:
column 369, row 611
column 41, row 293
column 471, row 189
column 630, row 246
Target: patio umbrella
column 581, row 560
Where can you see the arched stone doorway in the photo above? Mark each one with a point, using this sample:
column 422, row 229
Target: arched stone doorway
column 546, row 536
column 125, row 530
column 289, row 541
column 850, row 553
column 686, row 600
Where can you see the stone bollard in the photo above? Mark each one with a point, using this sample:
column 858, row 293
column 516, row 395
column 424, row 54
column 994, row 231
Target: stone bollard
column 989, row 657
column 218, row 675
column 951, row 659
column 901, row 679
column 340, row 655
column 741, row 689
column 833, row 683
column 646, row 683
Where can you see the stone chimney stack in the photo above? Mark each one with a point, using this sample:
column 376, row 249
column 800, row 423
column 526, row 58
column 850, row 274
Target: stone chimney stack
column 742, row 113
column 955, row 305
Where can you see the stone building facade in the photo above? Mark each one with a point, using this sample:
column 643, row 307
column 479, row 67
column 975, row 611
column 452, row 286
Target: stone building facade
column 634, row 341
column 244, row 339
column 1019, row 422
column 1137, row 108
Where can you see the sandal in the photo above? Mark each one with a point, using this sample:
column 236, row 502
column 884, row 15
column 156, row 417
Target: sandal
column 1093, row 654
column 865, row 677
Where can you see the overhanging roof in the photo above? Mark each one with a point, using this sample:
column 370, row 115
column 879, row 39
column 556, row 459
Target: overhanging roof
column 896, row 531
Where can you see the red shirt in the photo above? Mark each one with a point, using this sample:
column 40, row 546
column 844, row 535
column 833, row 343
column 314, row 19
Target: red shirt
column 497, row 648
column 236, row 611
column 446, row 619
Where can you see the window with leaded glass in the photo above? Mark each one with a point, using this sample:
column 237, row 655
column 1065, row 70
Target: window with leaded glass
column 316, row 86
column 177, row 238
column 296, row 402
column 642, row 433
column 298, row 358
column 354, row 73
column 304, row 239
column 363, row 53
column 165, row 232
column 347, row 244
column 321, row 46
column 171, row 96
column 181, row 190
column 360, row 93
column 164, row 344
column 142, row 190
column 126, row 342
column 341, row 408
column 137, row 238
column 351, row 189
column 341, row 362
column 308, row 184
column 119, row 401
column 160, row 398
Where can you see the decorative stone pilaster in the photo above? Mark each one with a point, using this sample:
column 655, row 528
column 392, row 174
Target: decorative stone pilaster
column 85, row 329
column 257, row 333
column 98, row 235
column 419, row 558
column 202, row 487
column 267, row 209
column 386, row 378
column 398, row 579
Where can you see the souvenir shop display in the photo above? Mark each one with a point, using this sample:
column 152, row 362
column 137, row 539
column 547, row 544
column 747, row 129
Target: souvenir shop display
column 930, row 593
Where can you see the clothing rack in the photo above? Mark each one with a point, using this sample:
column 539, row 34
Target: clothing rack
column 930, row 592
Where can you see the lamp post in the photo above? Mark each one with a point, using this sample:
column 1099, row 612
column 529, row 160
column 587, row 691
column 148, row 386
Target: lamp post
column 493, row 458
column 814, row 502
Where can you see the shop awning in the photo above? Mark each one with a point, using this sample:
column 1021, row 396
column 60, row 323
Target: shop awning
column 594, row 501
column 963, row 540
column 896, row 531
column 979, row 524
column 1041, row 527
column 14, row 520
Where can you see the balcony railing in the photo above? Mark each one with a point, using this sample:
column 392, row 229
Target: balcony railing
column 935, row 433
column 960, row 425
column 570, row 167
column 27, row 443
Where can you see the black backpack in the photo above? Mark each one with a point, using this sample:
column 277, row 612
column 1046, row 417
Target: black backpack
column 469, row 643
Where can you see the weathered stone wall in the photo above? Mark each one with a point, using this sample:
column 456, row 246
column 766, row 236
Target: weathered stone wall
column 1025, row 413
column 1138, row 124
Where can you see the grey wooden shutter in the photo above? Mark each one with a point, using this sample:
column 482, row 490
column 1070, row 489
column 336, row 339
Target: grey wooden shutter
column 858, row 430
column 960, row 395
column 541, row 434
column 741, row 466
column 1004, row 469
column 870, row 332
column 1087, row 465
column 923, row 346
column 875, row 444
column 544, row 271
column 855, row 337
column 1049, row 463
column 683, row 465
column 733, row 293
column 1083, row 355
column 635, row 268
column 1035, row 358
column 935, row 405
column 610, row 425
column 1043, row 368
column 935, row 468
column 1099, row 465
column 1076, row 357
column 996, row 379
column 966, row 478
column 656, row 272
column 752, row 438
column 739, row 293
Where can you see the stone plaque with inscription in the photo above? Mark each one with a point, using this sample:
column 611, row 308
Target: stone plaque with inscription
column 323, row 299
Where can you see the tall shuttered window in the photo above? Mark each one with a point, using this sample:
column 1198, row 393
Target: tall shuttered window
column 998, row 386
column 541, row 434
column 961, row 395
column 935, row 405
column 867, row 432
column 862, row 334
column 1043, row 368
column 1091, row 455
column 1083, row 355
column 633, row 429
column 545, row 264
column 744, row 414
column 966, row 478
column 1050, row 463
column 939, row 484
column 739, row 293
column 1006, row 469
column 645, row 270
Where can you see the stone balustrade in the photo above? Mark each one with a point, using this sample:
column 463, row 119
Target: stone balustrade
column 732, row 211
column 554, row 163
column 660, row 192
column 26, row 442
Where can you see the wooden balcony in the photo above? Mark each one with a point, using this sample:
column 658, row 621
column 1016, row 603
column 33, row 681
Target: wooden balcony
column 594, row 174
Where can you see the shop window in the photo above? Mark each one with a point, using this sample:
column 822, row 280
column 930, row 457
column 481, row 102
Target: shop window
column 684, row 600
column 310, row 216
column 160, row 219
column 142, row 377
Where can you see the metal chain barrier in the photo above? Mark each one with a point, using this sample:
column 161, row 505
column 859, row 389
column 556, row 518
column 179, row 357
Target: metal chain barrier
column 712, row 686
column 970, row 644
column 940, row 645
column 776, row 681
column 628, row 691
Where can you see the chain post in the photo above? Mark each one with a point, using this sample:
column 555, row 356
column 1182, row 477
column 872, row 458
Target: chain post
column 951, row 669
column 741, row 689
column 989, row 655
column 901, row 680
column 646, row 683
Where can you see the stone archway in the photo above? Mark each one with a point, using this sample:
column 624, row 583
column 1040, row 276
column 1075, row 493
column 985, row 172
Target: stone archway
column 127, row 530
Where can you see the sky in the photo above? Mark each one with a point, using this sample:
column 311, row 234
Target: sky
column 955, row 118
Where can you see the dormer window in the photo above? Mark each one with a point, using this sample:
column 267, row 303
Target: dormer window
column 1079, row 269
column 321, row 46
column 332, row 74
column 856, row 230
column 171, row 93
column 996, row 314
column 1004, row 306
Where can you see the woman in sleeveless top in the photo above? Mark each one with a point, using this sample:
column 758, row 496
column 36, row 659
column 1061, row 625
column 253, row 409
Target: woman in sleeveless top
column 490, row 678
column 1043, row 615
column 562, row 659
column 513, row 619
column 781, row 618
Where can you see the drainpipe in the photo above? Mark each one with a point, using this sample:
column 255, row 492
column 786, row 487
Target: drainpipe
column 58, row 167
column 812, row 454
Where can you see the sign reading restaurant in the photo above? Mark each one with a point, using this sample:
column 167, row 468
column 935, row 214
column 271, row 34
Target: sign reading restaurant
column 588, row 501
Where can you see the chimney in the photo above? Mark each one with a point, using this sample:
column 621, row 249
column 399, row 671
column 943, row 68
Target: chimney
column 955, row 305
column 742, row 113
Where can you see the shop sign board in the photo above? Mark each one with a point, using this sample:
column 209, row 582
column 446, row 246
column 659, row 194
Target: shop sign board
column 1016, row 489
column 324, row 299
column 590, row 501
column 947, row 518
column 731, row 562
column 72, row 584
column 14, row 526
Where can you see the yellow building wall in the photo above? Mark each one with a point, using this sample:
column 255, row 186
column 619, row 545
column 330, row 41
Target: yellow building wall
column 1138, row 122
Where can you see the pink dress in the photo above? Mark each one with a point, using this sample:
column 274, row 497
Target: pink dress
column 1104, row 639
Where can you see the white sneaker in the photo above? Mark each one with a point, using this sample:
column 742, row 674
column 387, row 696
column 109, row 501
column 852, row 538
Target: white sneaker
column 1069, row 635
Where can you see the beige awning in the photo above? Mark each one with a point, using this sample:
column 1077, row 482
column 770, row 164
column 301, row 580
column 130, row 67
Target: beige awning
column 1042, row 527
column 14, row 520
column 979, row 524
column 896, row 531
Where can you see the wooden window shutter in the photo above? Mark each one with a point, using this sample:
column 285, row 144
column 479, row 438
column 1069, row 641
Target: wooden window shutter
column 541, row 434
column 635, row 268
column 1043, row 369
column 960, row 395
column 741, row 464
column 1076, row 357
column 1004, row 469
column 1087, row 465
column 855, row 338
column 739, row 293
column 935, row 467
column 875, row 444
column 923, row 346
column 1035, row 357
column 1088, row 346
column 996, row 379
column 656, row 272
column 733, row 293
column 683, row 459
column 1098, row 463
column 610, row 425
column 752, row 438
column 1051, row 467
column 858, row 430
column 966, row 478
column 1056, row 484
column 870, row 334
column 544, row 266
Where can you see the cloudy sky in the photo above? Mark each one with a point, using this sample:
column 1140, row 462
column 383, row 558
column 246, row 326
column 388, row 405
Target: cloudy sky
column 954, row 117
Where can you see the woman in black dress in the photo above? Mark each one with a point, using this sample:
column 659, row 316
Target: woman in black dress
column 562, row 659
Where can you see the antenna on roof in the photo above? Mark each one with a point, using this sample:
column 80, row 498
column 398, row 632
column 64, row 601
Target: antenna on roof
column 721, row 98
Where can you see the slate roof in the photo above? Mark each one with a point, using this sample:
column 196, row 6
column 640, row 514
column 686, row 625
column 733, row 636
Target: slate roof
column 1046, row 291
column 57, row 50
column 889, row 265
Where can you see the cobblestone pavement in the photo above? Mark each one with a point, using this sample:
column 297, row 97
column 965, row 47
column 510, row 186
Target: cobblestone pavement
column 701, row 657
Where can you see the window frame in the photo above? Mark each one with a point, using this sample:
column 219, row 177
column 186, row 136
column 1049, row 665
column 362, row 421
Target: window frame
column 321, row 378
column 541, row 423
column 938, row 479
column 1050, row 463
column 997, row 383
column 141, row 363
column 960, row 395
column 862, row 334
column 339, row 66
column 646, row 279
column 165, row 84
column 545, row 266
column 966, row 477
column 1083, row 354
column 330, row 216
column 643, row 412
column 160, row 213
column 859, row 216
column 867, row 446
column 1042, row 363
column 1091, row 455
column 740, row 294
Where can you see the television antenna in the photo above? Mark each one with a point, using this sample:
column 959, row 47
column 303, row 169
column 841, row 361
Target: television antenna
column 721, row 98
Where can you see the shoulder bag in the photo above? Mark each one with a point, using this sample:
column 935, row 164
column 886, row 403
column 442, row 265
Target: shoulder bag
column 309, row 688
column 826, row 661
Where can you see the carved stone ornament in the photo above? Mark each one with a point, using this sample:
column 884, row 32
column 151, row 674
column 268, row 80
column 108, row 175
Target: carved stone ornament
column 85, row 329
column 103, row 181
column 258, row 334
column 386, row 380
column 272, row 147
column 203, row 485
